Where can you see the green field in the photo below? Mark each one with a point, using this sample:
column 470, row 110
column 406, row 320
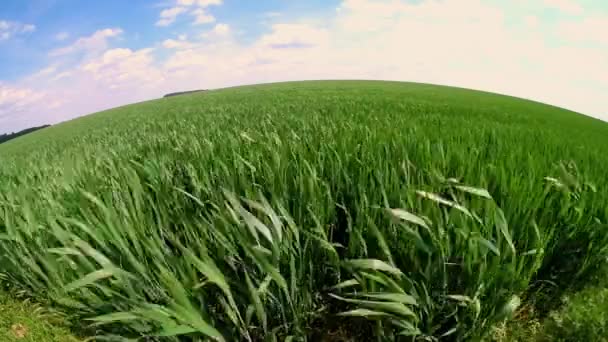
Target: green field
column 324, row 211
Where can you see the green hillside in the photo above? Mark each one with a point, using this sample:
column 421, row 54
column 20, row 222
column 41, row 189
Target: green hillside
column 335, row 210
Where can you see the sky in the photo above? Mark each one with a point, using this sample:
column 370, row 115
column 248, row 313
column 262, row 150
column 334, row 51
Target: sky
column 61, row 59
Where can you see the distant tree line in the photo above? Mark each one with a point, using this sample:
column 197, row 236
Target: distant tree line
column 184, row 92
column 9, row 136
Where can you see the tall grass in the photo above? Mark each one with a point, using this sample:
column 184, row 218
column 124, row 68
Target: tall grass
column 292, row 211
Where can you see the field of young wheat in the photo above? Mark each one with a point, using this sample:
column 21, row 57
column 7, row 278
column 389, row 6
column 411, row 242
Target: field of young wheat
column 314, row 210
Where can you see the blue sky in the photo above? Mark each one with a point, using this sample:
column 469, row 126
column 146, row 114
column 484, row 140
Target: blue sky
column 69, row 19
column 52, row 52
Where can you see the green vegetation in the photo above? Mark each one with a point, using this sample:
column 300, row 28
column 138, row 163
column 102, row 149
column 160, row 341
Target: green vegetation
column 24, row 322
column 9, row 136
column 583, row 316
column 319, row 210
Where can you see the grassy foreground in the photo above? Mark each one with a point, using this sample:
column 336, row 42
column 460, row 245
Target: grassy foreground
column 24, row 322
column 313, row 210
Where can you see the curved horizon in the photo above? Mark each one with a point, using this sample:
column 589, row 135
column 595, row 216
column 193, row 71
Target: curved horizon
column 54, row 69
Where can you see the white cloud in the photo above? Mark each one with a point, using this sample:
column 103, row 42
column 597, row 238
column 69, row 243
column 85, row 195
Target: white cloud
column 220, row 30
column 100, row 81
column 118, row 68
column 201, row 17
column 221, row 33
column 168, row 16
column 14, row 98
column 199, row 3
column 206, row 3
column 10, row 29
column 28, row 28
column 186, row 58
column 181, row 44
column 294, row 36
column 98, row 41
column 51, row 69
column 196, row 8
column 570, row 7
column 17, row 104
column 590, row 30
column 61, row 36
column 531, row 21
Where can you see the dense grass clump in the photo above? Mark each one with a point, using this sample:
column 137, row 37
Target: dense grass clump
column 584, row 317
column 315, row 210
column 22, row 321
